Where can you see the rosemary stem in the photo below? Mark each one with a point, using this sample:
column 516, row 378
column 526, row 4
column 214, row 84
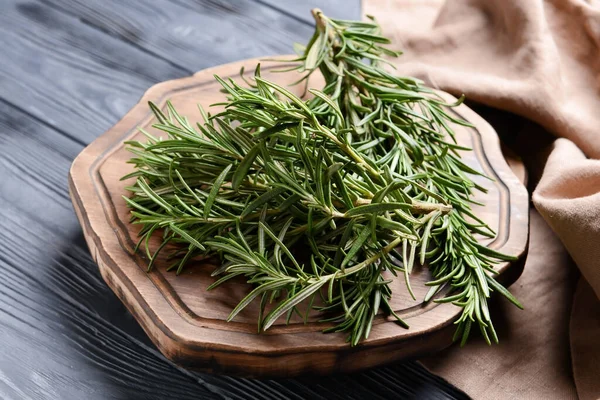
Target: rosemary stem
column 420, row 207
column 350, row 152
column 354, row 269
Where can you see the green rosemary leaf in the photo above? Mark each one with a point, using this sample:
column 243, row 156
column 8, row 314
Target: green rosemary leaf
column 501, row 289
column 276, row 128
column 215, row 190
column 329, row 102
column 314, row 53
column 264, row 288
column 491, row 252
column 224, row 279
column 278, row 243
column 244, row 167
column 356, row 245
column 292, row 302
column 186, row 236
column 262, row 199
column 160, row 116
column 426, row 235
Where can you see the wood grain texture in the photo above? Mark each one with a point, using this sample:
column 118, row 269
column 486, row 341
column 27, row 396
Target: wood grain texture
column 188, row 324
column 69, row 75
column 63, row 334
column 194, row 34
column 300, row 10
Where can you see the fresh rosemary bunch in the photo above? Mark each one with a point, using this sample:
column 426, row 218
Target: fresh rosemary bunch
column 319, row 198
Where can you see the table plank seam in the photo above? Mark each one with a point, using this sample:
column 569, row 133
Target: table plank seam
column 43, row 122
column 100, row 29
column 284, row 12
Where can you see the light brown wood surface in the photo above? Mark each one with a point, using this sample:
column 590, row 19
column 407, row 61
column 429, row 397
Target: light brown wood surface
column 188, row 324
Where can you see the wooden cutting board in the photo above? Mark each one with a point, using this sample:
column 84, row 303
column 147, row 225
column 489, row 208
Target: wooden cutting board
column 188, row 324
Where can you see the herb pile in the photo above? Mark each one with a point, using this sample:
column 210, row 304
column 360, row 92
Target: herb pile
column 317, row 198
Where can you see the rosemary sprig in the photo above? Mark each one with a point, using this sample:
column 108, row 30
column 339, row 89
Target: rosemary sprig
column 366, row 174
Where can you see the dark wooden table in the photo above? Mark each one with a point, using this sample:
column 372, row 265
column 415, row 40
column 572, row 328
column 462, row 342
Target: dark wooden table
column 69, row 69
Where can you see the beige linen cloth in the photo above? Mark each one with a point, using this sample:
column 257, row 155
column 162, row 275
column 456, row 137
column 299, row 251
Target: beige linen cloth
column 540, row 60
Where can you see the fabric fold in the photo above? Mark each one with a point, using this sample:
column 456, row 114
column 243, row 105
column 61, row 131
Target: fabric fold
column 540, row 60
column 568, row 197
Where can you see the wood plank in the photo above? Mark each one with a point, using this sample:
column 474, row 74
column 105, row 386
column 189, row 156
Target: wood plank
column 62, row 58
column 70, row 75
column 338, row 9
column 194, row 34
column 64, row 334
